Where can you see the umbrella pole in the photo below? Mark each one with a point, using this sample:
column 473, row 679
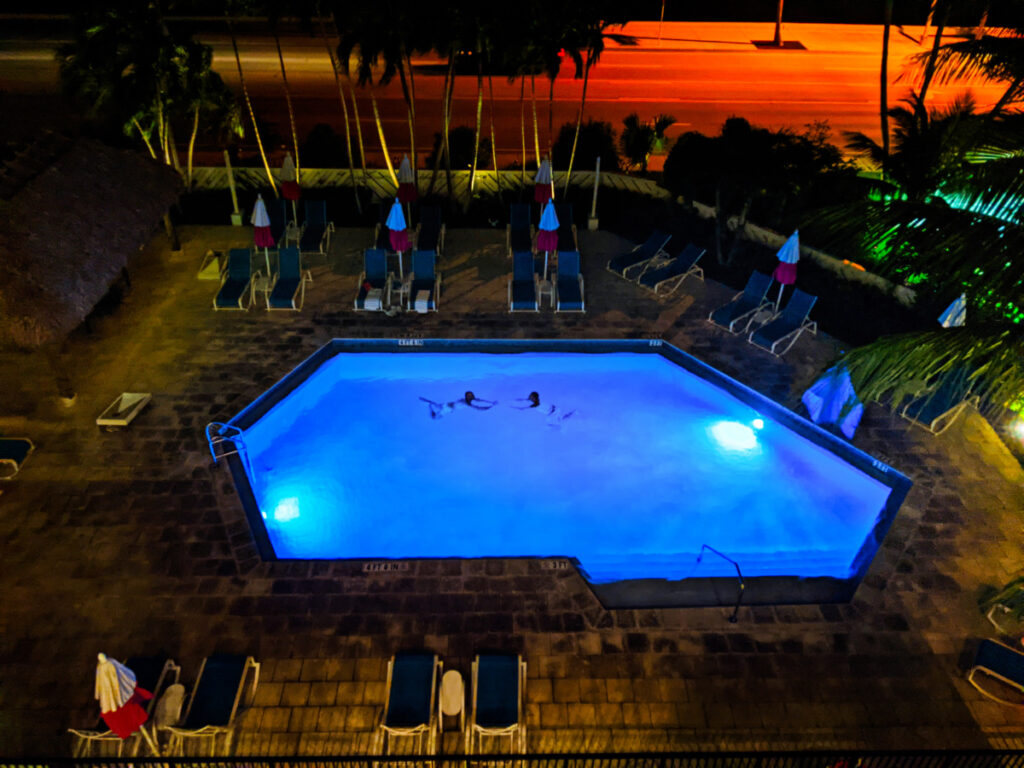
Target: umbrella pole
column 266, row 257
column 546, row 265
column 778, row 299
column 295, row 213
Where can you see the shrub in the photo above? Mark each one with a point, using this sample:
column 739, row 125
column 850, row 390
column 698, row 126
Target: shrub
column 460, row 144
column 597, row 139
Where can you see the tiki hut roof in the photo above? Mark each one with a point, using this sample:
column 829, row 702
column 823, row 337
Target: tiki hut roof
column 71, row 213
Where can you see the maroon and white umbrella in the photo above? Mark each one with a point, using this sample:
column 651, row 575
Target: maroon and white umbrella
column 406, row 181
column 547, row 233
column 542, row 183
column 290, row 184
column 261, row 229
column 398, row 234
column 785, row 272
column 121, row 700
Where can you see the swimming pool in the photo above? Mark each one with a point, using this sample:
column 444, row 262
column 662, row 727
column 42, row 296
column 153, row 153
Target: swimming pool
column 636, row 458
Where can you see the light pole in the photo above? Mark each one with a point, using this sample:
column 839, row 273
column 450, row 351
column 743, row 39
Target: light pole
column 778, row 25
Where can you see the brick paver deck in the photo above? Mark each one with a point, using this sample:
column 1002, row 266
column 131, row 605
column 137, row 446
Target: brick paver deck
column 131, row 542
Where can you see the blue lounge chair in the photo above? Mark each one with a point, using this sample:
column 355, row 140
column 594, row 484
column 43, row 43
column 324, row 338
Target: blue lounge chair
column 316, row 229
column 381, row 239
column 519, row 232
column 936, row 409
column 153, row 674
column 236, row 286
column 425, row 290
column 566, row 228
column 667, row 277
column 1002, row 663
column 430, row 231
column 374, row 287
column 499, row 681
column 277, row 211
column 13, row 452
column 784, row 328
column 289, row 287
column 214, row 702
column 652, row 250
column 523, row 287
column 737, row 314
column 410, row 709
column 569, row 288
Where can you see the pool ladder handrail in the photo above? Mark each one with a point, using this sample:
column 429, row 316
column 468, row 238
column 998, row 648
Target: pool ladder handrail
column 739, row 576
column 218, row 435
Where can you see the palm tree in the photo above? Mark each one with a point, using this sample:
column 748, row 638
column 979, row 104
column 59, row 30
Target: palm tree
column 207, row 94
column 344, row 111
column 232, row 6
column 273, row 10
column 884, row 77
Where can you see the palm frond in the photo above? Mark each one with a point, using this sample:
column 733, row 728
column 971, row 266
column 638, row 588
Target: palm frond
column 993, row 57
column 896, row 367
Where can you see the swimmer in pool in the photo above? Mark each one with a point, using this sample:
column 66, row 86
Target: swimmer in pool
column 556, row 417
column 437, row 410
column 525, row 403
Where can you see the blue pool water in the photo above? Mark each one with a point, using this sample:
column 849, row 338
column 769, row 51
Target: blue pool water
column 652, row 463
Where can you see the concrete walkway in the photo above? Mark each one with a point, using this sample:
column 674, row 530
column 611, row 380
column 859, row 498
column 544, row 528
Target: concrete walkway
column 131, row 542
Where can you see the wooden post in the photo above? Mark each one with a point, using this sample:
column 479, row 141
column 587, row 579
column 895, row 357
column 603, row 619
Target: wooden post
column 236, row 216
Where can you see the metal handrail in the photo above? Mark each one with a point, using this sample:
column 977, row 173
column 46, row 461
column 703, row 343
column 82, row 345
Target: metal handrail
column 739, row 576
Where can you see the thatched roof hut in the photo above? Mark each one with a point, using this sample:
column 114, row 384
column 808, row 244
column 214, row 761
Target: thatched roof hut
column 71, row 214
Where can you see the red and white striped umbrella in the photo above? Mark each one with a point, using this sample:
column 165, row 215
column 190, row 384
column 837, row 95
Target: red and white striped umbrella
column 261, row 229
column 121, row 700
column 406, row 181
column 542, row 183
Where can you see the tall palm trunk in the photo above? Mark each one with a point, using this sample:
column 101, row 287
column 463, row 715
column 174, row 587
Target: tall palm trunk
column 291, row 110
column 929, row 67
column 442, row 146
column 409, row 94
column 884, row 83
column 479, row 124
column 172, row 149
column 359, row 127
column 494, row 142
column 551, row 115
column 533, row 103
column 380, row 132
column 192, row 145
column 522, row 125
column 579, row 122
column 145, row 138
column 248, row 104
column 344, row 112
column 1006, row 98
column 447, row 109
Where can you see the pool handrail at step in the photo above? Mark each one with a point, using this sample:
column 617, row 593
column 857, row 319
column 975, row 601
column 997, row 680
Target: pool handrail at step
column 739, row 577
column 219, row 435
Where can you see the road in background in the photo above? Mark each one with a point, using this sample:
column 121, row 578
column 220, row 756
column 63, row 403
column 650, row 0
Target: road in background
column 701, row 73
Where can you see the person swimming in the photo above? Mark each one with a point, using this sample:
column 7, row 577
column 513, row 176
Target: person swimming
column 525, row 403
column 437, row 410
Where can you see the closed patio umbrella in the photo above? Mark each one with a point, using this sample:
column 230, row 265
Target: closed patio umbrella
column 542, row 183
column 121, row 700
column 955, row 314
column 406, row 181
column 398, row 234
column 289, row 185
column 832, row 400
column 547, row 233
column 261, row 229
column 785, row 272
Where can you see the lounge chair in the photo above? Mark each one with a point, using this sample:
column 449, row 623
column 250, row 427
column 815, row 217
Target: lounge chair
column 519, row 232
column 425, row 291
column 153, row 674
column 214, row 703
column 381, row 239
column 13, row 453
column 569, row 288
column 1002, row 663
column 236, row 286
column 289, row 288
column 668, row 276
column 316, row 230
column 737, row 314
column 430, row 231
column 936, row 409
column 499, row 682
column 566, row 228
column 410, row 709
column 277, row 212
column 653, row 249
column 374, row 287
column 524, row 286
column 784, row 328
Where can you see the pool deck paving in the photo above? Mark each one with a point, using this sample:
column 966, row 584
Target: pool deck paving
column 132, row 542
